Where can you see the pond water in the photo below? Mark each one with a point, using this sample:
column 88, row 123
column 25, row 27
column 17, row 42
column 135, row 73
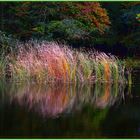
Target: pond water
column 70, row 111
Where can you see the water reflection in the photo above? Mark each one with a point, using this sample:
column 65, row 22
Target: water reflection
column 55, row 100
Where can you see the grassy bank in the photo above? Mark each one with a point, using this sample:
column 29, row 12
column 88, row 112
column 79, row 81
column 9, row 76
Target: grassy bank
column 51, row 62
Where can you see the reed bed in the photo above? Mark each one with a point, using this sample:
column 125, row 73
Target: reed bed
column 53, row 62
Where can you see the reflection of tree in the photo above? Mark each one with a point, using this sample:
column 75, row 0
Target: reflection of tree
column 53, row 100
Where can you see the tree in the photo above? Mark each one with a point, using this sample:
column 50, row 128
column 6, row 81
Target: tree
column 27, row 19
column 90, row 13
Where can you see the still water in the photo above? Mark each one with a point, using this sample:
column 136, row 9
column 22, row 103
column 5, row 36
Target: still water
column 70, row 111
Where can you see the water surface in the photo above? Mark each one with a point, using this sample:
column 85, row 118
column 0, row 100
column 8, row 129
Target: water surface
column 68, row 110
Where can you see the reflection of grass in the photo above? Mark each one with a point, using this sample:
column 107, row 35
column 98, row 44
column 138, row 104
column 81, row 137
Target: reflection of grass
column 52, row 100
column 50, row 62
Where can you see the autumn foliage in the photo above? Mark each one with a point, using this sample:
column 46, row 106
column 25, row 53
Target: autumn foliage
column 31, row 19
column 91, row 13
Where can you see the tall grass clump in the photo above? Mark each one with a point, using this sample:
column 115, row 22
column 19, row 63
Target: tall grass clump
column 52, row 62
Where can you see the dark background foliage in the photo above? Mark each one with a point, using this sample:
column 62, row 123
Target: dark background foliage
column 112, row 27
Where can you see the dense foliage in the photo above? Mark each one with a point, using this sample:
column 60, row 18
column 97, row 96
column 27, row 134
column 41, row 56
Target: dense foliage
column 111, row 27
column 125, row 28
